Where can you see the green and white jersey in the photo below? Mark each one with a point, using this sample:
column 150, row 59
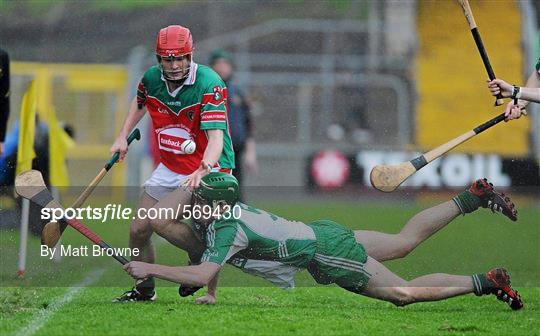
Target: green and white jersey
column 260, row 235
column 538, row 65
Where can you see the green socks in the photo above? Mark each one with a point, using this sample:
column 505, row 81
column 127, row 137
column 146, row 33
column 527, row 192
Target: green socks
column 481, row 285
column 467, row 202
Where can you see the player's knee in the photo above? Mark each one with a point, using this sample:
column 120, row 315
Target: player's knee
column 403, row 251
column 405, row 246
column 140, row 231
column 402, row 296
column 157, row 225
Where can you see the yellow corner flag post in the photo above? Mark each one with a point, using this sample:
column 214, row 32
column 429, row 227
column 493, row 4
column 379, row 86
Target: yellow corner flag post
column 59, row 143
column 25, row 155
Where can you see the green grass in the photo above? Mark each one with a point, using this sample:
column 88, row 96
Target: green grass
column 468, row 245
column 307, row 311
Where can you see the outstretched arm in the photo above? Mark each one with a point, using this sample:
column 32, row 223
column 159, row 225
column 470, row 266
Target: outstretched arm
column 528, row 93
column 197, row 275
column 532, row 82
column 210, row 157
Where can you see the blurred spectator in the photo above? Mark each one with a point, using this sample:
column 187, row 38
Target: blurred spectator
column 8, row 164
column 359, row 128
column 4, row 96
column 355, row 128
column 8, row 160
column 515, row 111
column 239, row 115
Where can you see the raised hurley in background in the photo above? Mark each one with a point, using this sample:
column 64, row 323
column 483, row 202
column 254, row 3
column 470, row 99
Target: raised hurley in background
column 53, row 230
column 479, row 44
column 388, row 177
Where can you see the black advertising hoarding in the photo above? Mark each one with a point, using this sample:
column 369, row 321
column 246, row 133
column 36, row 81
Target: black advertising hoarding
column 332, row 169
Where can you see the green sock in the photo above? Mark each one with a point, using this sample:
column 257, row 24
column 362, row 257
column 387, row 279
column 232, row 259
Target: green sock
column 481, row 285
column 467, row 202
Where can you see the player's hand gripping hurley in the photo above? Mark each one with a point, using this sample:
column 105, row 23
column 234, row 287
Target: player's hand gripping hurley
column 479, row 44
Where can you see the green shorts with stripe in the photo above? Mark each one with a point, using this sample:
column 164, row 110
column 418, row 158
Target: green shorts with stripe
column 339, row 258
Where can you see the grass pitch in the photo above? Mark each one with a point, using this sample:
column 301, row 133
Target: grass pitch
column 74, row 296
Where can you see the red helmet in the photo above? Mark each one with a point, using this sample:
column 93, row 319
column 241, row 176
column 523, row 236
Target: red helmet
column 174, row 41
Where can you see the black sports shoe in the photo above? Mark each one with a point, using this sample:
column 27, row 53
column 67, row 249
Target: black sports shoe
column 134, row 295
column 493, row 200
column 502, row 288
column 185, row 290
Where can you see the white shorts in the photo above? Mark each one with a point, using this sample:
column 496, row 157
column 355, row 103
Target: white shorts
column 164, row 181
column 277, row 273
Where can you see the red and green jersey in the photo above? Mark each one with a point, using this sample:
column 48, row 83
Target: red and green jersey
column 200, row 104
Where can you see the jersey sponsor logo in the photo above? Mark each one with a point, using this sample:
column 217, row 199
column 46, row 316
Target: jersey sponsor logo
column 162, row 110
column 213, row 116
column 171, row 139
column 174, row 103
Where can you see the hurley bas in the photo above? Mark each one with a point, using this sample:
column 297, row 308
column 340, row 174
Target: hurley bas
column 84, row 251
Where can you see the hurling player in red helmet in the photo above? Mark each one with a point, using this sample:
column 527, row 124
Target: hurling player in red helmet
column 187, row 103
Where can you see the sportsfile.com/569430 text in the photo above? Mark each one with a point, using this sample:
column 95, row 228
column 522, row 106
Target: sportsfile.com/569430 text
column 120, row 212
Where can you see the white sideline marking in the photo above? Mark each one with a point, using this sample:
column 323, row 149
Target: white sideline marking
column 44, row 315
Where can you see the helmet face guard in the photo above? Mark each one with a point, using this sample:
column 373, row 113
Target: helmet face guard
column 173, row 75
column 174, row 42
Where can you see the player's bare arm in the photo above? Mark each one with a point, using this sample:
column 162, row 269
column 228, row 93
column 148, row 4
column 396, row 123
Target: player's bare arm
column 197, row 275
column 210, row 297
column 215, row 146
column 135, row 114
column 530, row 94
column 532, row 82
column 210, row 157
column 524, row 95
